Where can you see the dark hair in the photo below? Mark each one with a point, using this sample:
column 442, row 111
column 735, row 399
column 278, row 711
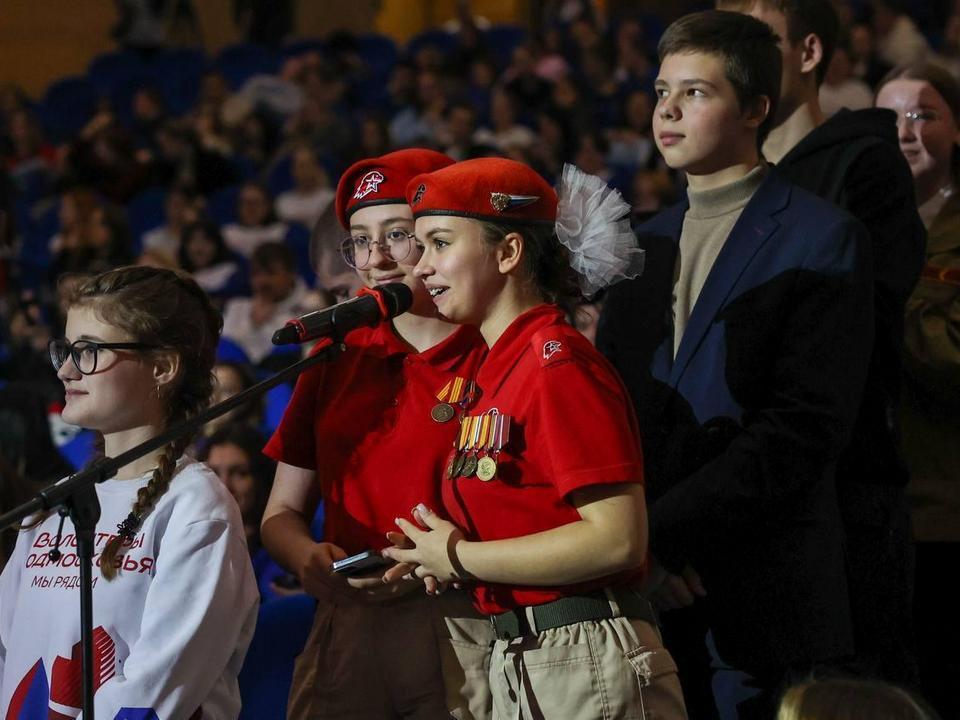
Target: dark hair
column 212, row 231
column 748, row 47
column 804, row 17
column 269, row 254
column 165, row 308
column 546, row 261
column 262, row 468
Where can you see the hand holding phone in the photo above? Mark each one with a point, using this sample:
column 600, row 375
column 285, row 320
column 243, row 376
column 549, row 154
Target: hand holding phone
column 360, row 564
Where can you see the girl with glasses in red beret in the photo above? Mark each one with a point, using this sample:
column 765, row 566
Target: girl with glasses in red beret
column 366, row 433
column 543, row 484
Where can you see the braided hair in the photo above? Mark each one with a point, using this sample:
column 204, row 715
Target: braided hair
column 168, row 309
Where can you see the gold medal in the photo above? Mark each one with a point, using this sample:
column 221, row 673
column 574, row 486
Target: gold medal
column 442, row 412
column 486, row 468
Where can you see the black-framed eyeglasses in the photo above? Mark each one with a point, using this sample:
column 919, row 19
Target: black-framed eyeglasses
column 397, row 244
column 86, row 352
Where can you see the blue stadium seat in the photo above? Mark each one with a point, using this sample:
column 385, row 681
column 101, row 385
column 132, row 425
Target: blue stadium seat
column 282, row 629
column 145, row 211
column 442, row 40
column 378, row 52
column 229, row 351
column 280, row 175
column 298, row 238
column 222, row 204
column 238, row 63
column 68, row 105
column 501, row 40
column 107, row 70
column 276, row 399
column 178, row 72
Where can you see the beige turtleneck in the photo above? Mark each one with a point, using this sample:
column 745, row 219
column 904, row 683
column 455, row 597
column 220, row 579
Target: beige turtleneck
column 709, row 220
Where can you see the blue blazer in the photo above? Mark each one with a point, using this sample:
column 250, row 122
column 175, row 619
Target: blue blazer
column 741, row 430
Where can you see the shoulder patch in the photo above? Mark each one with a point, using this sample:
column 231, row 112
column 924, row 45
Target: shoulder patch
column 552, row 345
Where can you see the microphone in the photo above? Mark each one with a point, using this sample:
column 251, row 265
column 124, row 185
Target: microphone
column 367, row 309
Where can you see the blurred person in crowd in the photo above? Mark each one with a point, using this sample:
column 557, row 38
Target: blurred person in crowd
column 459, row 132
column 899, row 41
column 211, row 131
column 867, row 64
column 233, row 453
column 634, row 66
column 521, row 80
column 256, row 222
column 651, row 191
column 233, row 377
column 182, row 160
column 148, row 114
column 374, row 137
column 104, row 156
column 851, row 160
column 311, row 193
column 554, row 144
column 27, row 151
column 600, row 86
column 631, row 140
column 279, row 294
column 505, row 132
column 841, row 88
column 926, row 99
column 419, row 123
column 203, row 253
column 97, row 237
column 550, row 62
column 590, row 154
column 254, row 137
column 181, row 208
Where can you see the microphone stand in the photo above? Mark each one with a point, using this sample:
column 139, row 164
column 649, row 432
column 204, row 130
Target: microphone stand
column 77, row 494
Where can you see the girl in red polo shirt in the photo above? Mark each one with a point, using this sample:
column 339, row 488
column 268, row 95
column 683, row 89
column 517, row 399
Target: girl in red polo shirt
column 361, row 433
column 544, row 482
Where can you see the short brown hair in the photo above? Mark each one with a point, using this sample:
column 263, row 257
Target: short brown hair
column 748, row 47
column 804, row 17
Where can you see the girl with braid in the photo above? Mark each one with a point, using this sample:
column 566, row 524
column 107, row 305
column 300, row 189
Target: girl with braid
column 174, row 597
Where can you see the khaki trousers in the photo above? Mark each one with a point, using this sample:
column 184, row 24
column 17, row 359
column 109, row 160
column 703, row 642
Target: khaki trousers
column 615, row 669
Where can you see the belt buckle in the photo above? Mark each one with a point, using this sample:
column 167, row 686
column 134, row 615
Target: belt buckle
column 507, row 625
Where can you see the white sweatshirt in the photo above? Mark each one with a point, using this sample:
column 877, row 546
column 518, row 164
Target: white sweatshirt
column 171, row 631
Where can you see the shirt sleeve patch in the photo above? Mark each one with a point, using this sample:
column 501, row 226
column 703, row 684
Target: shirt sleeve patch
column 551, row 346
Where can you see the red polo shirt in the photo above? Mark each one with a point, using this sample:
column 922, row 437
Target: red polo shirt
column 362, row 422
column 572, row 426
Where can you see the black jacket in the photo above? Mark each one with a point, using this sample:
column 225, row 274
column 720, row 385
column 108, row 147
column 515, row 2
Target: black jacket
column 853, row 160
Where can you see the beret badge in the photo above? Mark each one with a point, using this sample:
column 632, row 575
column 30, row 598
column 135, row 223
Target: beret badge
column 502, row 201
column 418, row 196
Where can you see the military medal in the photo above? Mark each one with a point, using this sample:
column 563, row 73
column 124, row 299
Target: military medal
column 457, row 391
column 457, row 458
column 499, row 435
column 475, row 424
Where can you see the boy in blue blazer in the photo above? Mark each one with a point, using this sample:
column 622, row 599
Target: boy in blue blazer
column 744, row 346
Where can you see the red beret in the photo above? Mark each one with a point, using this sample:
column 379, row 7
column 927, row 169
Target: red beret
column 382, row 180
column 494, row 189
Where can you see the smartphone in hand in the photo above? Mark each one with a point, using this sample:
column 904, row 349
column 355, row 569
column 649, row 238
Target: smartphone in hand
column 360, row 564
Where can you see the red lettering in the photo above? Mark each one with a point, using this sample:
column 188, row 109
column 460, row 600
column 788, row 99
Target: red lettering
column 146, row 565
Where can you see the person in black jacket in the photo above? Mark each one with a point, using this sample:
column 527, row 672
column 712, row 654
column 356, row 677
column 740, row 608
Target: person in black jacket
column 853, row 160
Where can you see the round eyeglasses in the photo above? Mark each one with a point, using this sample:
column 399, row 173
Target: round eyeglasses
column 396, row 244
column 86, row 352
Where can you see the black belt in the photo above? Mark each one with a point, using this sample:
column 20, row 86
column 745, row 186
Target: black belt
column 573, row 609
